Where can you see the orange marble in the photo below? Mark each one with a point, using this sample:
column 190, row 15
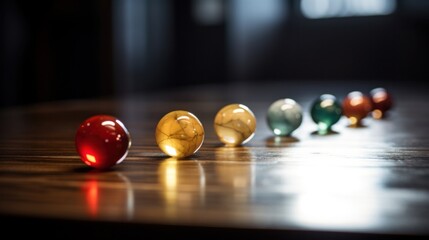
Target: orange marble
column 356, row 106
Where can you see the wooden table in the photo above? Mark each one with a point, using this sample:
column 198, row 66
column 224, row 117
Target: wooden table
column 370, row 182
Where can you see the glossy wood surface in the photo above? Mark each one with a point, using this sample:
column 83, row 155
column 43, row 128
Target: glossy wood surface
column 357, row 182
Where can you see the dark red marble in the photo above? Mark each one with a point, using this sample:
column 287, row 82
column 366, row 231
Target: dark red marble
column 381, row 100
column 102, row 141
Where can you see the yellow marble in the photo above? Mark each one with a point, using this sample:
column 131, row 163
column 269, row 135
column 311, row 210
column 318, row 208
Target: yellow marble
column 179, row 134
column 235, row 124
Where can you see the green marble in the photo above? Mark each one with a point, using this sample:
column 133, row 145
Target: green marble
column 325, row 111
column 284, row 116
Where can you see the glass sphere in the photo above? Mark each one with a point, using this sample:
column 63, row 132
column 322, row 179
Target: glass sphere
column 356, row 106
column 102, row 141
column 325, row 111
column 381, row 102
column 235, row 124
column 284, row 116
column 179, row 134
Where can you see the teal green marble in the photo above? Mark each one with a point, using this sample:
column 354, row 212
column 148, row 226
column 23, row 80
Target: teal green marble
column 284, row 116
column 325, row 111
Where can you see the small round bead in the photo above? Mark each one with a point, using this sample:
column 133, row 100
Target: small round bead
column 284, row 116
column 381, row 102
column 179, row 134
column 356, row 106
column 325, row 111
column 102, row 141
column 235, row 124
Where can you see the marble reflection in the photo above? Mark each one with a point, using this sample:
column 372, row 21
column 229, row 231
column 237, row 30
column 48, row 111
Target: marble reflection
column 235, row 170
column 280, row 141
column 183, row 185
column 108, row 195
column 234, row 154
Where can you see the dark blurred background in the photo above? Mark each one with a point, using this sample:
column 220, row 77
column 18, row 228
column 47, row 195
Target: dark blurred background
column 74, row 49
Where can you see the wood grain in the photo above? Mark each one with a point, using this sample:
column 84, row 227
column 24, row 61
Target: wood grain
column 358, row 183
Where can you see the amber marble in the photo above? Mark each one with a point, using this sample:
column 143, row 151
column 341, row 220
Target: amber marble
column 235, row 124
column 179, row 134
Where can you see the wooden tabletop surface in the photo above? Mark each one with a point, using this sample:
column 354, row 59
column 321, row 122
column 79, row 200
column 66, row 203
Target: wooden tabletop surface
column 371, row 181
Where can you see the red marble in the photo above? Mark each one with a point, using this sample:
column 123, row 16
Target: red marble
column 102, row 141
column 356, row 106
